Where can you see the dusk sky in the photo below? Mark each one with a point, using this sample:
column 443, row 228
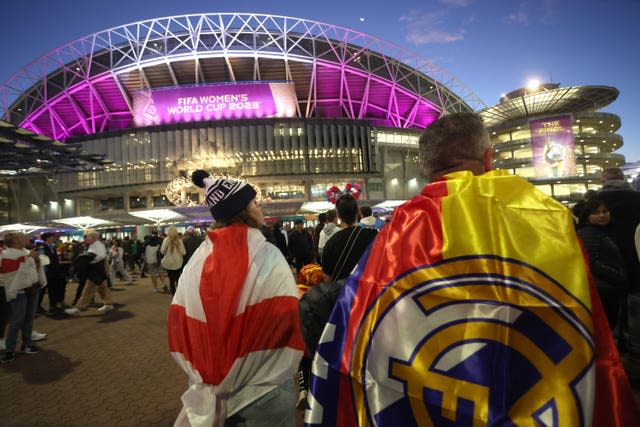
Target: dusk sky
column 492, row 46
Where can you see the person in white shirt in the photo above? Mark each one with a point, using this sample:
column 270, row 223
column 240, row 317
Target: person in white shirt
column 329, row 229
column 174, row 251
column 94, row 262
column 22, row 276
column 368, row 220
column 117, row 263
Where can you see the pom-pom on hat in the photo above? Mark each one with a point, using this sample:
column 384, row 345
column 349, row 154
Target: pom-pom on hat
column 225, row 197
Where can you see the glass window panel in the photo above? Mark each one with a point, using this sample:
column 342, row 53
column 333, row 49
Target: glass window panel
column 282, row 191
column 590, row 149
column 160, row 201
column 546, row 189
column 112, row 203
column 521, row 134
column 137, row 202
column 526, row 172
column 594, row 169
column 524, row 153
column 85, row 207
column 503, row 137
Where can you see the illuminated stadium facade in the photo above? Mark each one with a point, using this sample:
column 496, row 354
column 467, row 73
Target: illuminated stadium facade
column 556, row 137
column 291, row 105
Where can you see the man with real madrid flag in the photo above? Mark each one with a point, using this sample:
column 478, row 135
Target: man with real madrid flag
column 473, row 307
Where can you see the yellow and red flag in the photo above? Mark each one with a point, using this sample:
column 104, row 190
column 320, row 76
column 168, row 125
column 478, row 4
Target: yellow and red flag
column 473, row 307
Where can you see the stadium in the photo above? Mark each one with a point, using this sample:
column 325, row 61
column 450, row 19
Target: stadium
column 103, row 127
column 556, row 137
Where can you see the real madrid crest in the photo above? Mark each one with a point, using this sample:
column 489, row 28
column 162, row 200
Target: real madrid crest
column 474, row 341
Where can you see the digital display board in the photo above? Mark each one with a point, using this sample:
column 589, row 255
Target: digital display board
column 226, row 101
column 552, row 146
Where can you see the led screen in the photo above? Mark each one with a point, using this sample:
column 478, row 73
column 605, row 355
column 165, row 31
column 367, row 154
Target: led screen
column 213, row 102
column 553, row 147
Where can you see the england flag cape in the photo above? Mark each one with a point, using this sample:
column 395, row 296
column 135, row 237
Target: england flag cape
column 19, row 271
column 473, row 307
column 233, row 324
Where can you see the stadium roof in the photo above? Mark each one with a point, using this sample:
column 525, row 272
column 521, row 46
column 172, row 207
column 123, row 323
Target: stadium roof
column 86, row 86
column 26, row 153
column 548, row 99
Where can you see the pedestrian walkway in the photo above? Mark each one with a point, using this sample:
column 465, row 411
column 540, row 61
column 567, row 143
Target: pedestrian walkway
column 99, row 369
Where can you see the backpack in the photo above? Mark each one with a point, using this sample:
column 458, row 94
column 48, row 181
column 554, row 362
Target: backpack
column 151, row 254
column 315, row 307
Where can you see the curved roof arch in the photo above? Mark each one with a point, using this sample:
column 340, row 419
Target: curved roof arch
column 522, row 104
column 85, row 86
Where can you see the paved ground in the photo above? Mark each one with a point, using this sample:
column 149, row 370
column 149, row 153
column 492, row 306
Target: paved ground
column 110, row 369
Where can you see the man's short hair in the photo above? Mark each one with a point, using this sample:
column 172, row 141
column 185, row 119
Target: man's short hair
column 44, row 236
column 452, row 140
column 331, row 215
column 611, row 174
column 93, row 235
column 366, row 211
column 322, row 218
column 347, row 208
column 10, row 239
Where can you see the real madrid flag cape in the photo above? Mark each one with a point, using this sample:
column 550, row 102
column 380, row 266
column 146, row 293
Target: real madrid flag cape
column 233, row 324
column 473, row 307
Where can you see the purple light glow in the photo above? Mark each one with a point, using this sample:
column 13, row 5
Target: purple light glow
column 87, row 86
column 59, row 119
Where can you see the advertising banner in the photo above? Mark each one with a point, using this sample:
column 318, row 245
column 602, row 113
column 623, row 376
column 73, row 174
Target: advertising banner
column 552, row 146
column 213, row 102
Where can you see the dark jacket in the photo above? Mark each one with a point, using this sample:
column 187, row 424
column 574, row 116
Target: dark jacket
column 605, row 261
column 315, row 308
column 300, row 245
column 86, row 271
column 280, row 241
column 624, row 206
column 344, row 249
column 191, row 242
column 54, row 271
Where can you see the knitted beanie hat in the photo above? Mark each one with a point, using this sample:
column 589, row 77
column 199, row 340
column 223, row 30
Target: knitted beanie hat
column 225, row 197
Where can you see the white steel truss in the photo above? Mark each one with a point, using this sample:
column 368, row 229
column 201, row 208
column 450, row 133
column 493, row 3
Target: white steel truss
column 86, row 84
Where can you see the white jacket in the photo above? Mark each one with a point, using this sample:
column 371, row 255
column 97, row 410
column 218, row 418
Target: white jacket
column 19, row 271
column 327, row 232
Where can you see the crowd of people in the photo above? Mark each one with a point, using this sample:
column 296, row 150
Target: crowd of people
column 229, row 321
column 93, row 264
column 469, row 244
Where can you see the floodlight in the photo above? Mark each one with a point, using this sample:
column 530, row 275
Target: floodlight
column 316, row 207
column 83, row 222
column 156, row 215
column 533, row 84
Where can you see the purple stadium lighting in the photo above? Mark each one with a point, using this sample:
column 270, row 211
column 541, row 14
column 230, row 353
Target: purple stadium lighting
column 88, row 86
